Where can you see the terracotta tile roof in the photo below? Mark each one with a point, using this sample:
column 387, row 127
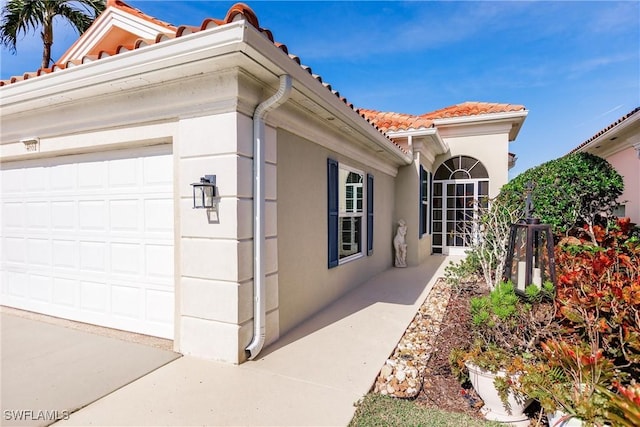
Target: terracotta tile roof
column 607, row 129
column 118, row 43
column 393, row 122
column 472, row 109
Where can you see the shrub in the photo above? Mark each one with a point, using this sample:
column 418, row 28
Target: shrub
column 488, row 240
column 507, row 321
column 599, row 293
column 463, row 275
column 570, row 191
column 587, row 369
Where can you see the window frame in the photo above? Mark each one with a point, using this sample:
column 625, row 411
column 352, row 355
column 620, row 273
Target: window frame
column 353, row 213
column 336, row 213
column 424, row 202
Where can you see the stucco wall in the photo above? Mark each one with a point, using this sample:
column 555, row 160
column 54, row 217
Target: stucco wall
column 627, row 163
column 407, row 194
column 492, row 150
column 306, row 284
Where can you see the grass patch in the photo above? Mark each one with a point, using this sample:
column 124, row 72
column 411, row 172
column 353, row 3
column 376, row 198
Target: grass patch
column 376, row 410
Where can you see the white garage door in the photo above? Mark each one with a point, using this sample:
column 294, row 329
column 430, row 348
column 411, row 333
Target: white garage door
column 90, row 238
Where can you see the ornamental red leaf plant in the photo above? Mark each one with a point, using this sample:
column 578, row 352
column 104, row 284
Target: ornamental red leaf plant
column 589, row 369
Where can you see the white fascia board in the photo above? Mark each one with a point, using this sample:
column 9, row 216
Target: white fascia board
column 130, row 69
column 113, row 17
column 515, row 118
column 431, row 133
column 306, row 84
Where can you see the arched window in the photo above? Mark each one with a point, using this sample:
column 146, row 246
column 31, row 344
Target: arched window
column 460, row 185
column 461, row 167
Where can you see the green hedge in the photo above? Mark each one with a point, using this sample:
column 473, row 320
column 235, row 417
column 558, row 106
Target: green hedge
column 569, row 192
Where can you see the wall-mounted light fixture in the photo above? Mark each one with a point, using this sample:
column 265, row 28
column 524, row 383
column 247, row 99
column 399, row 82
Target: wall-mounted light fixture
column 205, row 193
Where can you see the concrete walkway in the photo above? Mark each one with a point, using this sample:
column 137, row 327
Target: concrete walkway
column 310, row 377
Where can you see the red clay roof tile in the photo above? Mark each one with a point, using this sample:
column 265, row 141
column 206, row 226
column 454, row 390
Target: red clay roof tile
column 393, row 122
column 472, row 109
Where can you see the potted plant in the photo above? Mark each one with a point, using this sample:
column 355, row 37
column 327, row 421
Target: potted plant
column 506, row 328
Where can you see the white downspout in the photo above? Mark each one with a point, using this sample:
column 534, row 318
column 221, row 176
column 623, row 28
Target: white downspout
column 259, row 286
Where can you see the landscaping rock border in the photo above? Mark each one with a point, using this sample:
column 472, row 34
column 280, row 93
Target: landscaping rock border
column 402, row 375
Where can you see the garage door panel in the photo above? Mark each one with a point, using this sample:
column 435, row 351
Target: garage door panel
column 37, row 215
column 158, row 216
column 63, row 177
column 12, row 181
column 124, row 173
column 39, row 287
column 93, row 240
column 15, row 283
column 63, row 215
column 127, row 301
column 39, row 252
column 126, row 258
column 94, row 296
column 159, row 305
column 65, row 292
column 36, row 179
column 154, row 168
column 13, row 215
column 92, row 215
column 159, row 260
column 65, row 254
column 92, row 175
column 125, row 215
column 93, row 257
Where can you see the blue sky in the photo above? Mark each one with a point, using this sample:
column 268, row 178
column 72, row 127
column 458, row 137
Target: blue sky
column 574, row 65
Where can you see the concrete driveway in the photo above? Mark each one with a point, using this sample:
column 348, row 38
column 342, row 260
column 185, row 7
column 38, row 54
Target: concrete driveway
column 50, row 370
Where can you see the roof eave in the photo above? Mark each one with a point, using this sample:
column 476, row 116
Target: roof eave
column 516, row 118
column 431, row 133
column 614, row 131
column 313, row 88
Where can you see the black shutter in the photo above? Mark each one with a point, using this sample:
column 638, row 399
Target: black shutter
column 369, row 214
column 429, row 209
column 332, row 191
column 421, row 219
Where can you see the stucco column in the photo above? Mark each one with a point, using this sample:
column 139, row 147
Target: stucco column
column 214, row 248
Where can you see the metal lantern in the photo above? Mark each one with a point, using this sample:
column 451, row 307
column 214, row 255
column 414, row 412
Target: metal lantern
column 205, row 193
column 530, row 258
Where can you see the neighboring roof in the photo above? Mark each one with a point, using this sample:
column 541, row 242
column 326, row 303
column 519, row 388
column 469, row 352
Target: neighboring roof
column 609, row 128
column 397, row 122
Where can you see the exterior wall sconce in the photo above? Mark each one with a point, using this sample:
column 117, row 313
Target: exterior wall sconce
column 205, row 193
column 530, row 257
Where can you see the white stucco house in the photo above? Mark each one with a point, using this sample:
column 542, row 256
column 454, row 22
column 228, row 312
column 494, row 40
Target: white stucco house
column 619, row 144
column 99, row 152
